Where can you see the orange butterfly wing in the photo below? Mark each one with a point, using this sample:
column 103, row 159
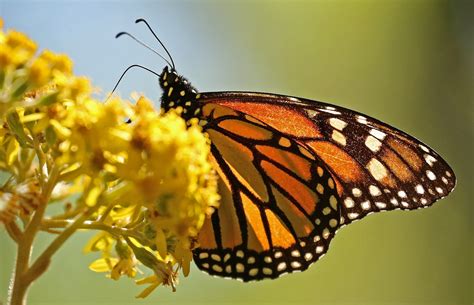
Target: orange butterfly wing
column 292, row 171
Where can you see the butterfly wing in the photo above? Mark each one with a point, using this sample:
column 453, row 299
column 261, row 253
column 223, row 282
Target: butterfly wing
column 294, row 170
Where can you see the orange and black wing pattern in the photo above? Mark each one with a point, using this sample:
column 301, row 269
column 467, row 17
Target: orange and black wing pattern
column 292, row 171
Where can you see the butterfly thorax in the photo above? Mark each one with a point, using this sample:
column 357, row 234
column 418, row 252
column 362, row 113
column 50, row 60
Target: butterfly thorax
column 178, row 92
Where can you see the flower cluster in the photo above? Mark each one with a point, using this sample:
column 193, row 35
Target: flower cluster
column 146, row 186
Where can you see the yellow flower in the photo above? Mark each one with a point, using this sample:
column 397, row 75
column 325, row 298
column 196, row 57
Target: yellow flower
column 148, row 184
column 39, row 72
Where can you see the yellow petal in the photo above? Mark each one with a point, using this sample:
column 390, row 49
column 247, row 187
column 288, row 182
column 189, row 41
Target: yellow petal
column 160, row 241
column 103, row 264
column 12, row 151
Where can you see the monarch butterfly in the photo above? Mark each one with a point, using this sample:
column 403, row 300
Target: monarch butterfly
column 292, row 171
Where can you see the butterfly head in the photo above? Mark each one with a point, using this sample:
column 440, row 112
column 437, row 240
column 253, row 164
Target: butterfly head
column 178, row 92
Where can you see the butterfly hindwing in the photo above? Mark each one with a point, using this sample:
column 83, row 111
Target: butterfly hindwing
column 279, row 207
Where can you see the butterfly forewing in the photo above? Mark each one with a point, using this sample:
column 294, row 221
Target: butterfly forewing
column 375, row 167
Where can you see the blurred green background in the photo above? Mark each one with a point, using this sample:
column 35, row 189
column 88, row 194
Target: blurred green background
column 408, row 63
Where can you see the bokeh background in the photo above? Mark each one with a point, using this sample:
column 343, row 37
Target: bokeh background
column 408, row 63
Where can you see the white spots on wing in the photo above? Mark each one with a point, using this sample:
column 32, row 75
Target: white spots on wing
column 295, row 264
column 205, row 266
column 320, row 189
column 217, row 268
column 430, row 159
column 226, row 257
column 374, row 191
column 326, row 233
column 239, row 267
column 337, row 123
column 330, row 110
column 333, row 223
column 216, row 257
column 424, row 148
column 423, row 201
column 356, row 192
column 333, row 202
column 251, row 260
column 361, row 119
column 317, row 221
column 319, row 249
column 378, row 134
column 430, row 175
column 267, row 271
column 448, row 174
column 278, row 254
column 203, row 255
column 405, row 204
column 308, row 256
column 295, row 253
column 228, row 269
column 253, row 272
column 311, row 113
column 439, row 190
column 281, row 266
column 320, row 171
column 353, row 215
column 326, row 211
column 402, row 194
column 338, row 137
column 239, row 253
column 394, row 201
column 419, row 189
column 377, row 169
column 445, row 181
column 349, row 202
column 373, row 144
column 365, row 205
column 331, row 183
column 380, row 205
column 267, row 259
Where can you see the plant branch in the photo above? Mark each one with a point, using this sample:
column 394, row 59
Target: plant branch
column 94, row 225
column 13, row 231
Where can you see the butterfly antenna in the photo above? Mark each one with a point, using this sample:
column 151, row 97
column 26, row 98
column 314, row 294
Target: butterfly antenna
column 151, row 30
column 125, row 72
column 145, row 45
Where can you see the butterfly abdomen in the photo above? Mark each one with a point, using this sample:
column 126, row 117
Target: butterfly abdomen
column 178, row 92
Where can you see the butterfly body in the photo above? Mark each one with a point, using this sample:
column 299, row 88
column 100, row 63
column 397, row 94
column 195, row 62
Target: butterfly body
column 292, row 172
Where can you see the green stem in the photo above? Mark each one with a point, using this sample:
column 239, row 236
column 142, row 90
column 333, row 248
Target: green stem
column 17, row 294
column 96, row 225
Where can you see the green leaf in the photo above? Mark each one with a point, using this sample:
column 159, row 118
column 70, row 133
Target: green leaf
column 19, row 90
column 47, row 99
column 50, row 136
column 144, row 256
column 13, row 121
